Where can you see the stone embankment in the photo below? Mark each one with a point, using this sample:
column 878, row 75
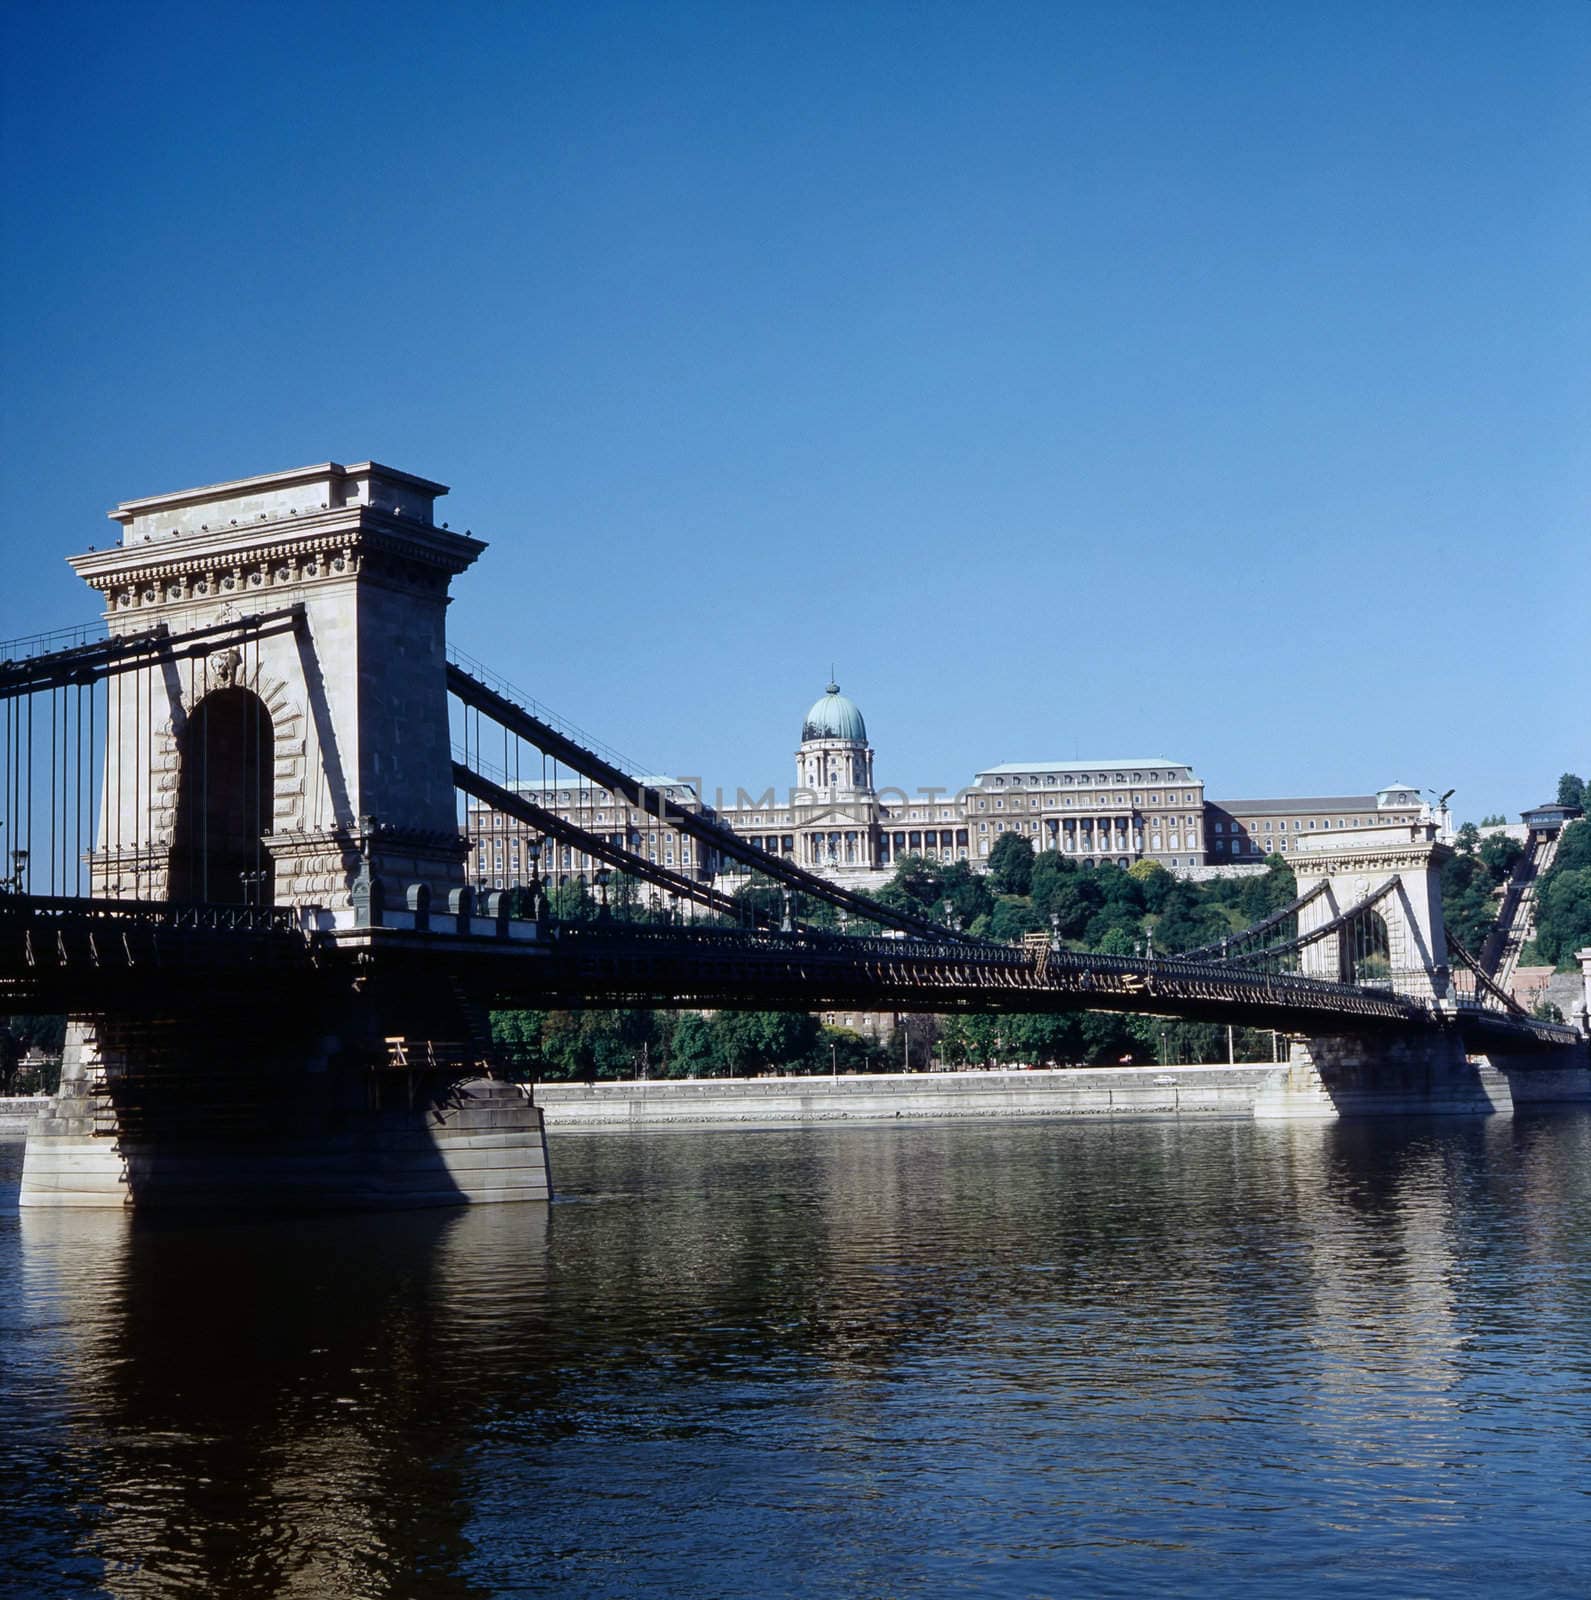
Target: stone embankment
column 17, row 1111
column 1213, row 1091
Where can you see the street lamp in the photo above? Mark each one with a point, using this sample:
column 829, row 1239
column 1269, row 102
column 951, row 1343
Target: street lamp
column 19, row 868
column 603, row 878
column 533, row 860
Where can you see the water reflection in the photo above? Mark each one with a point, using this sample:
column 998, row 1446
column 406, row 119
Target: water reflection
column 273, row 1407
column 1009, row 1358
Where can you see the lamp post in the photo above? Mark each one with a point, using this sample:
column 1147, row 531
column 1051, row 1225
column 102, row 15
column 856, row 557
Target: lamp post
column 603, row 878
column 533, row 861
column 19, row 869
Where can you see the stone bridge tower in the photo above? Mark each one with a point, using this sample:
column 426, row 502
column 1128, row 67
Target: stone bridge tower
column 302, row 760
column 301, row 766
column 1402, row 942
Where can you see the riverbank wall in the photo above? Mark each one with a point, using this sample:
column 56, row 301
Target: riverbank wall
column 17, row 1111
column 1210, row 1091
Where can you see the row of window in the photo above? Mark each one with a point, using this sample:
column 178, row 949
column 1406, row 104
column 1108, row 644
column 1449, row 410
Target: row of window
column 1298, row 825
column 557, row 853
column 1036, row 804
column 1051, row 780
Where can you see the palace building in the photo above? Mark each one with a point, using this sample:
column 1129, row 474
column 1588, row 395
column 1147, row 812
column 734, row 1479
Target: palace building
column 835, row 821
column 1249, row 830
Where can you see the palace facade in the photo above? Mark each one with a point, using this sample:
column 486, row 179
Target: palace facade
column 834, row 820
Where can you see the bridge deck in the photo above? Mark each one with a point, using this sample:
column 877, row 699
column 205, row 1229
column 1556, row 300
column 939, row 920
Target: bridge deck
column 89, row 956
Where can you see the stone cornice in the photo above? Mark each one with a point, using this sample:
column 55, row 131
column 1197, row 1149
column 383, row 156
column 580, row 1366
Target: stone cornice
column 284, row 557
column 1410, row 857
column 261, row 543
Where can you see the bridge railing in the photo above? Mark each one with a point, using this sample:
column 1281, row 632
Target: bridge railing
column 193, row 917
column 33, row 645
column 1167, row 971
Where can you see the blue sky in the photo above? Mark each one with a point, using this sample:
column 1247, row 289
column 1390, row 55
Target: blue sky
column 1203, row 381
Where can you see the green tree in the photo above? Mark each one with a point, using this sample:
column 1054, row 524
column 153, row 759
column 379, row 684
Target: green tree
column 1188, row 921
column 1574, row 848
column 752, row 1040
column 692, row 1048
column 1155, row 883
column 1109, row 1039
column 1469, row 904
column 1260, row 896
column 968, row 1041
column 571, row 901
column 518, row 1036
column 1012, row 917
column 1563, row 915
column 1011, row 864
column 1073, row 901
column 1499, row 855
column 844, row 1050
column 1045, row 1039
column 1571, row 790
column 913, row 1043
column 1050, row 870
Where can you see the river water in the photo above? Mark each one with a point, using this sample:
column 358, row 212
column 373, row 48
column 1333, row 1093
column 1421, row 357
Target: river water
column 1005, row 1359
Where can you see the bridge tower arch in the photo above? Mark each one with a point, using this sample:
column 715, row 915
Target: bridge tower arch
column 359, row 780
column 1401, row 941
column 222, row 831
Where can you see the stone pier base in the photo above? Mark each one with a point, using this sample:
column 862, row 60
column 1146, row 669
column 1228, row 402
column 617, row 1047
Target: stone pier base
column 1547, row 1077
column 331, row 1138
column 1419, row 1074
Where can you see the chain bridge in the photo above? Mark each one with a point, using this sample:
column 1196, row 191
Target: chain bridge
column 234, row 859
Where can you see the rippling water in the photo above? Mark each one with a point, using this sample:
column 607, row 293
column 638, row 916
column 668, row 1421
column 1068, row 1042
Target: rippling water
column 1004, row 1359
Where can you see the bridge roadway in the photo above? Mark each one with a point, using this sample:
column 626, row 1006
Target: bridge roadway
column 146, row 958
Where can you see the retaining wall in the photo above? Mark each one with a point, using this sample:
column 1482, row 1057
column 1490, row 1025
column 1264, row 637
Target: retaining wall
column 1215, row 1091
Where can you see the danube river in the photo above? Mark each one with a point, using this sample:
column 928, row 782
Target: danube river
column 1006, row 1359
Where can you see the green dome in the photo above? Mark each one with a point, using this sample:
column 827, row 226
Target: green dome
column 834, row 717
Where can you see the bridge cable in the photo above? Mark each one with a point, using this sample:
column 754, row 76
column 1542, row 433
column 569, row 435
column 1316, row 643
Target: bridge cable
column 1482, row 979
column 654, row 802
column 500, row 799
column 1335, row 925
column 1263, row 926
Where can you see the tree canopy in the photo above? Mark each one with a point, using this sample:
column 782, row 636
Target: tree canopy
column 1563, row 898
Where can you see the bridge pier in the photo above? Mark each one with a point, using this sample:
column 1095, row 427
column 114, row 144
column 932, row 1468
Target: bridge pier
column 307, row 1116
column 1424, row 1072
